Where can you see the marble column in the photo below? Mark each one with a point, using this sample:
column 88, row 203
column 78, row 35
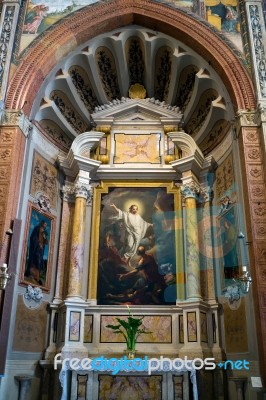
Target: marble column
column 240, row 385
column 77, row 246
column 189, row 193
column 24, row 385
column 206, row 242
column 68, row 204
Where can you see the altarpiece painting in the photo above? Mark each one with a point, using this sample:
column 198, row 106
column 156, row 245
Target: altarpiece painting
column 137, row 237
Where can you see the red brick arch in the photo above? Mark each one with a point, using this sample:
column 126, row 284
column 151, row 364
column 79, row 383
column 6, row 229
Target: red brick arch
column 100, row 18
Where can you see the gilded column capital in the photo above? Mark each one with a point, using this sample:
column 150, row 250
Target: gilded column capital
column 190, row 190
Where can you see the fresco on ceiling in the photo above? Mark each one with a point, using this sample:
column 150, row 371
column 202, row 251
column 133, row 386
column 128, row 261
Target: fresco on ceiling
column 41, row 14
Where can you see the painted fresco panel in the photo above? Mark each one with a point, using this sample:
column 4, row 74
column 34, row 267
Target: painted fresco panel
column 30, row 328
column 41, row 14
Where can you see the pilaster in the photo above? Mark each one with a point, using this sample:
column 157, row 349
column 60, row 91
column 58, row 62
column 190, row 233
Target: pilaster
column 250, row 143
column 8, row 24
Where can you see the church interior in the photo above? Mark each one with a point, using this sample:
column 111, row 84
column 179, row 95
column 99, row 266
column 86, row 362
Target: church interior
column 133, row 199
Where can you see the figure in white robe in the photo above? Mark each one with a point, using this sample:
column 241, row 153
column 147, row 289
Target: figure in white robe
column 135, row 229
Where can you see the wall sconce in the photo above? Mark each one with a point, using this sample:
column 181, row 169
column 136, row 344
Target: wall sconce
column 241, row 283
column 4, row 276
column 245, row 280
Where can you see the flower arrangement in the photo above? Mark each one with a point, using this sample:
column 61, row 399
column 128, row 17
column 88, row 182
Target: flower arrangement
column 130, row 329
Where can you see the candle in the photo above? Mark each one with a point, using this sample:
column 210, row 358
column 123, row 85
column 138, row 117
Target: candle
column 4, row 268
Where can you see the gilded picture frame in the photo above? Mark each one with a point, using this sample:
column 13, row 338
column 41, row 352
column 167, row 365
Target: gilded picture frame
column 37, row 256
column 147, row 197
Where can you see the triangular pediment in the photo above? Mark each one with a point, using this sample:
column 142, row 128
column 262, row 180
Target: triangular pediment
column 136, row 110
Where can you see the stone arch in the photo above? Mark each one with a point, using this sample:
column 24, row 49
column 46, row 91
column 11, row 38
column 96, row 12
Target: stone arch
column 59, row 40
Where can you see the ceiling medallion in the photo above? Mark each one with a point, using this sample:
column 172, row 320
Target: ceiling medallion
column 137, row 91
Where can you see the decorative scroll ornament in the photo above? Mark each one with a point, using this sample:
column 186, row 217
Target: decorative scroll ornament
column 190, row 190
column 33, row 297
column 137, row 91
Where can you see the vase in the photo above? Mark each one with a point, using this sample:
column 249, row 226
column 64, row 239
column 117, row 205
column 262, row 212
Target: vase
column 131, row 354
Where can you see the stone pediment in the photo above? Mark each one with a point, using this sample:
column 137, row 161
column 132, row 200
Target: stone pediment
column 137, row 111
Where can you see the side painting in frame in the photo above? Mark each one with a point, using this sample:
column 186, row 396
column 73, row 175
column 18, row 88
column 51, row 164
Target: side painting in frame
column 37, row 256
column 137, row 246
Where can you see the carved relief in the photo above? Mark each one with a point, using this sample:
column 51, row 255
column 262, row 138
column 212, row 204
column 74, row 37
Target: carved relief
column 68, row 112
column 255, row 171
column 136, row 67
column 261, row 251
column 3, row 193
column 258, row 191
column 5, row 154
column 163, row 72
column 6, row 137
column 83, row 86
column 4, row 172
column 258, row 46
column 224, row 178
column 259, row 209
column 251, row 136
column 260, row 231
column 5, row 38
column 186, row 86
column 55, row 133
column 263, row 275
column 253, row 153
column 215, row 136
column 202, row 110
column 107, row 70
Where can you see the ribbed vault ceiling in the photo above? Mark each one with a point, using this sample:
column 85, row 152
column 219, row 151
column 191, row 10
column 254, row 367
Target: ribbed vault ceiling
column 102, row 71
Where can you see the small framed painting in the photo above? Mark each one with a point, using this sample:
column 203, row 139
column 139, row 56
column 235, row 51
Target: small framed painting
column 38, row 248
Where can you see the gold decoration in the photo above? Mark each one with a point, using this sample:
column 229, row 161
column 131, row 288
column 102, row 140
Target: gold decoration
column 137, row 91
column 168, row 158
column 104, row 159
